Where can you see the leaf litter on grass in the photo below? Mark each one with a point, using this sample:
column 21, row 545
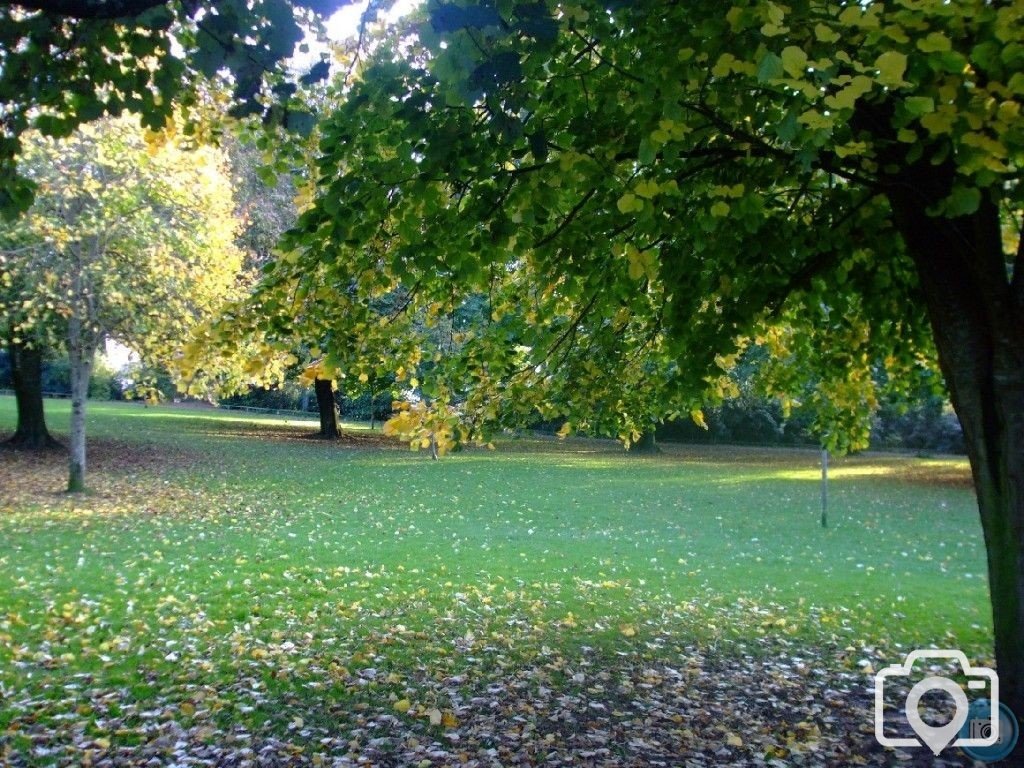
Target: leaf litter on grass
column 215, row 642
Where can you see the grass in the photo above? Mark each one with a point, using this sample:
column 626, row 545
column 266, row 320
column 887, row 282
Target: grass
column 217, row 550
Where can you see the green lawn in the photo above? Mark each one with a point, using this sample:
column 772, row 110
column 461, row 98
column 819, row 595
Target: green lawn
column 227, row 569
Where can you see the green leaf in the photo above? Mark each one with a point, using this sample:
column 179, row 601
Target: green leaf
column 319, row 71
column 770, row 68
column 963, row 201
column 919, row 105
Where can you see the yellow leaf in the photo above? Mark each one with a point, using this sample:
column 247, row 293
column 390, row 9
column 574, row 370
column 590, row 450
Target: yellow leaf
column 794, row 61
column 434, row 715
column 940, row 121
column 845, row 98
column 891, row 65
column 363, row 377
column 813, row 119
column 698, row 418
column 825, row 34
column 647, row 189
column 402, row 705
column 102, row 743
column 628, row 630
column 934, row 42
column 187, row 709
column 733, row 740
column 724, row 65
column 448, row 720
column 629, row 202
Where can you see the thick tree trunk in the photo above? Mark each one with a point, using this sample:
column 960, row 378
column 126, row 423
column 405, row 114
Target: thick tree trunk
column 977, row 316
column 328, row 408
column 27, row 372
column 81, row 354
column 645, row 445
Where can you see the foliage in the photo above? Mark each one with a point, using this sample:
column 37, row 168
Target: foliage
column 293, row 397
column 929, row 426
column 639, row 193
column 134, row 239
column 104, row 384
column 66, row 64
column 231, row 579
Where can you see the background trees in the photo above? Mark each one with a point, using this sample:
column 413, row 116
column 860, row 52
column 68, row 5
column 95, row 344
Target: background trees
column 838, row 182
column 125, row 240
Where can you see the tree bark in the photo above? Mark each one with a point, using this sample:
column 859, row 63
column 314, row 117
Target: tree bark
column 645, row 445
column 328, row 407
column 81, row 352
column 977, row 317
column 27, row 373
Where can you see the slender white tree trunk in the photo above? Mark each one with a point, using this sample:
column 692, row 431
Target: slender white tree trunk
column 82, row 352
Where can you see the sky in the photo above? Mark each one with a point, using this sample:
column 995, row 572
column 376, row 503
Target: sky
column 345, row 23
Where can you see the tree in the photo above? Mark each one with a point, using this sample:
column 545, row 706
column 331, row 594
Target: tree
column 27, row 376
column 126, row 240
column 26, row 340
column 839, row 181
column 328, row 408
column 64, row 64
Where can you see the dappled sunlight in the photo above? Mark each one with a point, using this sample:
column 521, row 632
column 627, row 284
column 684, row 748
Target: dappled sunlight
column 952, row 472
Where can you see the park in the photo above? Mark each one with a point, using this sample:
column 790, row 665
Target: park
column 491, row 383
column 233, row 584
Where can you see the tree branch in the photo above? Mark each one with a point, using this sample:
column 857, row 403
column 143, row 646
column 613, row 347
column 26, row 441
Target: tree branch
column 567, row 220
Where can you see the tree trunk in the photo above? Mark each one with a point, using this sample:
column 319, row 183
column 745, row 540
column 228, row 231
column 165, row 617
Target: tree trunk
column 977, row 317
column 328, row 408
column 645, row 445
column 81, row 353
column 27, row 372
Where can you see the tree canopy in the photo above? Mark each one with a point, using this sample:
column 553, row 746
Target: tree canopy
column 658, row 210
column 63, row 64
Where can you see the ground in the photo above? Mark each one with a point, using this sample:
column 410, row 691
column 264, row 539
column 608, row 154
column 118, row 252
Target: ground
column 232, row 593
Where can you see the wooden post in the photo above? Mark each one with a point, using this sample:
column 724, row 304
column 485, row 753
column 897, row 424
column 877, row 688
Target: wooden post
column 824, row 488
